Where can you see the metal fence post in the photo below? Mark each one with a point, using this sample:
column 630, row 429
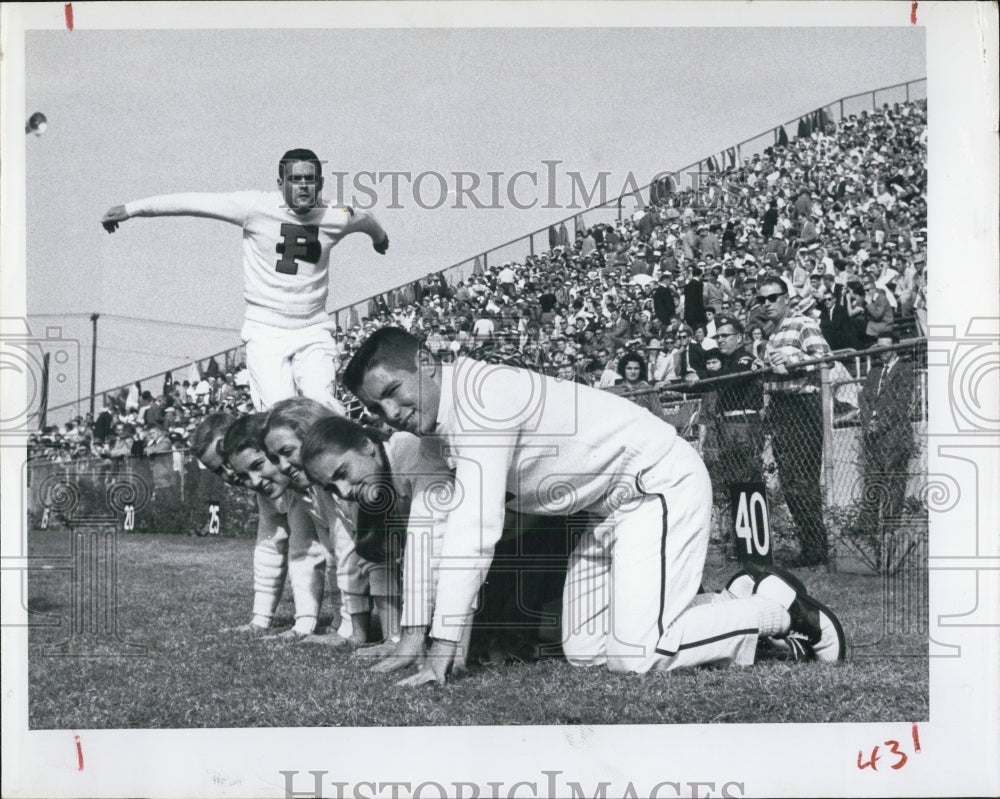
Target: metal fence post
column 826, row 396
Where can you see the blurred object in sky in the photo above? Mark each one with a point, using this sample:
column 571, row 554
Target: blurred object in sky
column 37, row 123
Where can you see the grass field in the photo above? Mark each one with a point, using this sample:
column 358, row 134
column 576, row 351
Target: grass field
column 175, row 594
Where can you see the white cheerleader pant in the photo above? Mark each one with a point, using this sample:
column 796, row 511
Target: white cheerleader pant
column 629, row 597
column 285, row 363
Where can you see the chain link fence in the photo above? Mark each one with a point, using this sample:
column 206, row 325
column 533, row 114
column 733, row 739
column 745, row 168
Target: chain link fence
column 844, row 466
column 164, row 493
column 844, row 461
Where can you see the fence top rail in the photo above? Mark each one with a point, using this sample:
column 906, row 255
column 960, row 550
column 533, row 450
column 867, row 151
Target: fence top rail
column 96, row 462
column 682, row 387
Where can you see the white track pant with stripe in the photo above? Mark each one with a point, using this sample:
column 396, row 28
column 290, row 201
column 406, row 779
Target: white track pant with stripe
column 629, row 598
column 288, row 363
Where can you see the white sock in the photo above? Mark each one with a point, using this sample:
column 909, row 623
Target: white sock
column 269, row 568
column 772, row 618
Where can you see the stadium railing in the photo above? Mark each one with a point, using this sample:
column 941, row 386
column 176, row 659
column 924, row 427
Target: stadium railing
column 538, row 241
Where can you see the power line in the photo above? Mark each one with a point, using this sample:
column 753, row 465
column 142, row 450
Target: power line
column 164, row 322
column 168, row 323
column 145, row 352
column 50, row 315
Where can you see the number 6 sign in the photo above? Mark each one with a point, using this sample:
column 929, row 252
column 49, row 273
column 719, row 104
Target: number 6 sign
column 753, row 526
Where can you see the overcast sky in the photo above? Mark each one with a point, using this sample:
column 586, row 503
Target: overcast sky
column 133, row 114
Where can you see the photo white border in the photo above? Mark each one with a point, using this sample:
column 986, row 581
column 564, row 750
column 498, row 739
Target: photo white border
column 958, row 745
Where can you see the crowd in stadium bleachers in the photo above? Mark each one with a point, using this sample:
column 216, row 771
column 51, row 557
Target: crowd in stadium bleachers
column 134, row 422
column 839, row 212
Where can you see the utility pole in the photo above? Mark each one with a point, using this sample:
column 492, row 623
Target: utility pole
column 93, row 362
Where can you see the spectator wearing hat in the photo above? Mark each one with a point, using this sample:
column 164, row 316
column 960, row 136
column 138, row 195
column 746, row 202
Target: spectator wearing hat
column 739, row 401
column 711, row 368
column 660, row 363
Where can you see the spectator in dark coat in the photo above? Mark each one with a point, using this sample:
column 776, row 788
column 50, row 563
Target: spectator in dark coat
column 103, row 425
column 211, row 369
column 694, row 300
column 835, row 324
column 885, row 403
column 770, row 220
column 664, row 304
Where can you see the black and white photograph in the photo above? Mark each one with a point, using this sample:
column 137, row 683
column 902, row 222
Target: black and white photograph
column 500, row 399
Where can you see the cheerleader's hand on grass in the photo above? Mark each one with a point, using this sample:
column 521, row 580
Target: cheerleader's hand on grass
column 409, row 650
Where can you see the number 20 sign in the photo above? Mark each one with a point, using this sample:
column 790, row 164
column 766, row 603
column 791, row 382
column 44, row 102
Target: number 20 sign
column 748, row 502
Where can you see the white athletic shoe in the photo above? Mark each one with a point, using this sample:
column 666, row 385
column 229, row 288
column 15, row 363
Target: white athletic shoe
column 814, row 626
column 741, row 584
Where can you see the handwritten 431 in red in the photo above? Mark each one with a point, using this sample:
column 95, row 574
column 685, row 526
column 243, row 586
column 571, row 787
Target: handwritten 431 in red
column 901, row 757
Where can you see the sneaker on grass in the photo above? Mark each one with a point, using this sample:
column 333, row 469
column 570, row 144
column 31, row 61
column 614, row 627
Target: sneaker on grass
column 814, row 626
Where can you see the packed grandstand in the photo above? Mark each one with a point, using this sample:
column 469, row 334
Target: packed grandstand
column 838, row 211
